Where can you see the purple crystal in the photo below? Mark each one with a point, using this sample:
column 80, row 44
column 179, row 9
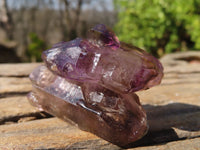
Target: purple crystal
column 90, row 82
column 99, row 111
column 122, row 70
column 102, row 36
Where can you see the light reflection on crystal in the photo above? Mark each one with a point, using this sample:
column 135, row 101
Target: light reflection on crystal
column 90, row 82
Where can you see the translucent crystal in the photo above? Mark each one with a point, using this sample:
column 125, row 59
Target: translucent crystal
column 122, row 69
column 90, row 83
column 91, row 107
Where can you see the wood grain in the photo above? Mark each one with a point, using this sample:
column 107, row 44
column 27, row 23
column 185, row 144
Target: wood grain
column 16, row 108
column 173, row 110
column 9, row 85
column 17, row 70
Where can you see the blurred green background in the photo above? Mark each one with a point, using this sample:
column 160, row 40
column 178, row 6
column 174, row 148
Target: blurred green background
column 159, row 26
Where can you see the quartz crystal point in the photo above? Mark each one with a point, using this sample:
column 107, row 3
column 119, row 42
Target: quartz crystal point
column 118, row 67
column 118, row 118
column 90, row 83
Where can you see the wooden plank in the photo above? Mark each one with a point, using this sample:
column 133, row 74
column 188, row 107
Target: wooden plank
column 169, row 114
column 182, row 62
column 176, row 78
column 45, row 133
column 54, row 133
column 14, row 85
column 173, row 110
column 180, row 116
column 21, row 69
column 168, row 122
column 188, row 93
column 178, row 96
column 187, row 68
column 16, row 108
column 188, row 144
column 23, row 85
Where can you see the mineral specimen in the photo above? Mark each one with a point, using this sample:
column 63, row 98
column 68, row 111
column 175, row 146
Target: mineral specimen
column 122, row 69
column 92, row 107
column 90, row 82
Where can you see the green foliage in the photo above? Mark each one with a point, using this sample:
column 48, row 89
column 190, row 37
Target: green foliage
column 35, row 47
column 160, row 26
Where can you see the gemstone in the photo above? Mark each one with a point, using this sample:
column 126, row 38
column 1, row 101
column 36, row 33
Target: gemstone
column 91, row 83
column 123, row 69
column 91, row 107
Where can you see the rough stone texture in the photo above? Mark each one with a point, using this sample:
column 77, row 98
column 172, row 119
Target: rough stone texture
column 174, row 105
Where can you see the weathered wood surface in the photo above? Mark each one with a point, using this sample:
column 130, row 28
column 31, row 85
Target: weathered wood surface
column 17, row 70
column 173, row 110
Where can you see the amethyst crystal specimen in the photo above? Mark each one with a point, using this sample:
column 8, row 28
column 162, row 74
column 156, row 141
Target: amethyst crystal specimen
column 118, row 67
column 92, row 107
column 90, row 82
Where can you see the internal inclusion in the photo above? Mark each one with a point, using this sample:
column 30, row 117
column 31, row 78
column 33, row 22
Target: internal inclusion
column 92, row 107
column 90, row 82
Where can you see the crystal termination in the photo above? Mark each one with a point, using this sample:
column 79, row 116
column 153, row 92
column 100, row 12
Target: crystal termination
column 91, row 83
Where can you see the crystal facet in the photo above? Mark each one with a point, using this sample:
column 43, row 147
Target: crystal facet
column 124, row 69
column 90, row 82
column 92, row 107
